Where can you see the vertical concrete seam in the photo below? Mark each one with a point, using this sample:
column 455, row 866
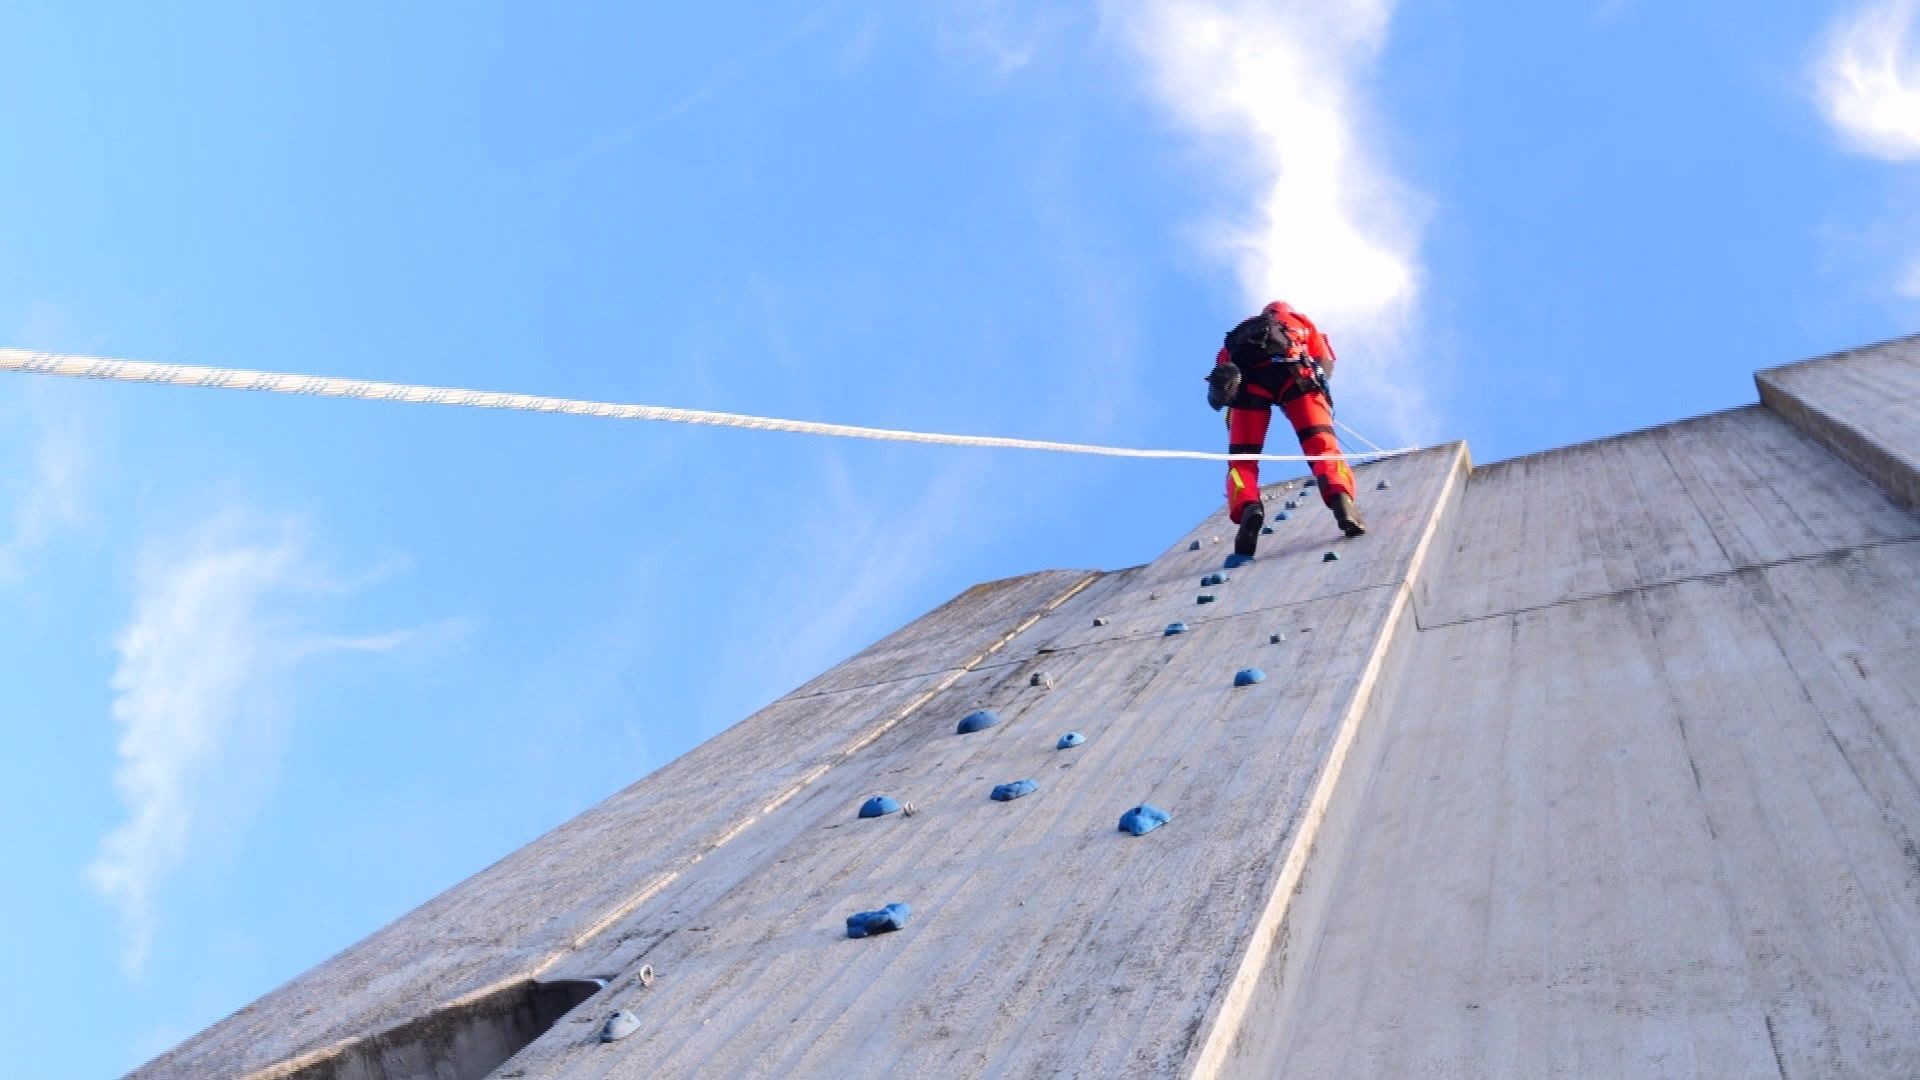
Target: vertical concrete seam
column 1229, row 1014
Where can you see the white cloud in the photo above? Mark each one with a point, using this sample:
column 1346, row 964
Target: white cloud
column 214, row 629
column 1276, row 89
column 1868, row 79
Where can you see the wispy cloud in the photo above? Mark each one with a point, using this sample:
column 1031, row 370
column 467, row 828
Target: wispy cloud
column 1867, row 77
column 743, row 65
column 1002, row 36
column 1277, row 92
column 870, row 552
column 1909, row 284
column 216, row 625
column 46, row 497
column 853, row 566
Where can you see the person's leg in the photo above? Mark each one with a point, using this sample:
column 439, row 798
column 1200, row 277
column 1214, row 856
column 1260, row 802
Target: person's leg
column 1313, row 422
column 1246, row 434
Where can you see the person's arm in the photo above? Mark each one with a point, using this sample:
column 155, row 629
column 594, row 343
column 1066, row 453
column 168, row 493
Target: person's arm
column 1321, row 349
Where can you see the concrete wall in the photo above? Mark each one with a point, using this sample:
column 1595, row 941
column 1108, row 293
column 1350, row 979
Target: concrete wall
column 1646, row 799
column 1044, row 940
column 1599, row 762
column 517, row 919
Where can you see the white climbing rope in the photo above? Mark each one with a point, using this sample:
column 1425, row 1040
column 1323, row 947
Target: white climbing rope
column 96, row 367
column 1371, row 445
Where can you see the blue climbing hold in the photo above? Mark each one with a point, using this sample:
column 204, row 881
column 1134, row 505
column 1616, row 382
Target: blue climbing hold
column 1175, row 628
column 1275, row 639
column 1215, row 578
column 1292, row 504
column 1204, row 598
column 1010, row 791
column 1331, row 556
column 884, row 921
column 1383, row 485
column 1070, row 740
column 1281, row 516
column 1248, row 676
column 978, row 721
column 1236, row 561
column 1266, row 530
column 1143, row 819
column 1195, row 546
column 879, row 806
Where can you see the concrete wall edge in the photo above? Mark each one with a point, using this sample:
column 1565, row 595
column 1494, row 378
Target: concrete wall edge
column 1231, row 1012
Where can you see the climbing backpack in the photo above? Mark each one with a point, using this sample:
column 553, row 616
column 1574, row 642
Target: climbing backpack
column 1259, row 339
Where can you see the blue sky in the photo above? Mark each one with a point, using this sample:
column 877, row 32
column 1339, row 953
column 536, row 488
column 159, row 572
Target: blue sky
column 274, row 671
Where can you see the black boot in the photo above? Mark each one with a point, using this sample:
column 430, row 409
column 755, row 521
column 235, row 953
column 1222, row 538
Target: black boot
column 1254, row 516
column 1347, row 513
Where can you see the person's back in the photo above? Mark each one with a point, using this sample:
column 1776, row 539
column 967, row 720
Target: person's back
column 1279, row 357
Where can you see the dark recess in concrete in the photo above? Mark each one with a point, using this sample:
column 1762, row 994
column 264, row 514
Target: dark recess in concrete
column 465, row 1041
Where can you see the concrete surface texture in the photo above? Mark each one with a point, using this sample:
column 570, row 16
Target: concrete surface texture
column 1599, row 762
column 1863, row 405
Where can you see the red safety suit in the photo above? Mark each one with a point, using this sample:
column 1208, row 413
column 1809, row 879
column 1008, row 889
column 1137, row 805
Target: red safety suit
column 1289, row 384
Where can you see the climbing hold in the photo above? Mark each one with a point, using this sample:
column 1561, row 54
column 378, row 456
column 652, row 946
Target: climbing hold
column 1042, row 680
column 1331, row 556
column 1383, row 485
column 1275, row 639
column 618, row 1026
column 1236, row 561
column 646, row 975
column 1266, row 530
column 1248, row 676
column 1013, row 790
column 1204, row 598
column 1292, row 505
column 1281, row 516
column 1175, row 628
column 1214, row 579
column 1099, row 622
column 885, row 920
column 978, row 721
column 1195, row 546
column 1143, row 819
column 879, row 806
column 1070, row 740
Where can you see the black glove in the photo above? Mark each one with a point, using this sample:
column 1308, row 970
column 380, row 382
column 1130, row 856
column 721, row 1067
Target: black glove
column 1222, row 384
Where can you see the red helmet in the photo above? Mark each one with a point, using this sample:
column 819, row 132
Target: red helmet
column 1278, row 307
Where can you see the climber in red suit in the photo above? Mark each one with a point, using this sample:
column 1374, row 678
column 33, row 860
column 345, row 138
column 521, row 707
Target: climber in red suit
column 1278, row 357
